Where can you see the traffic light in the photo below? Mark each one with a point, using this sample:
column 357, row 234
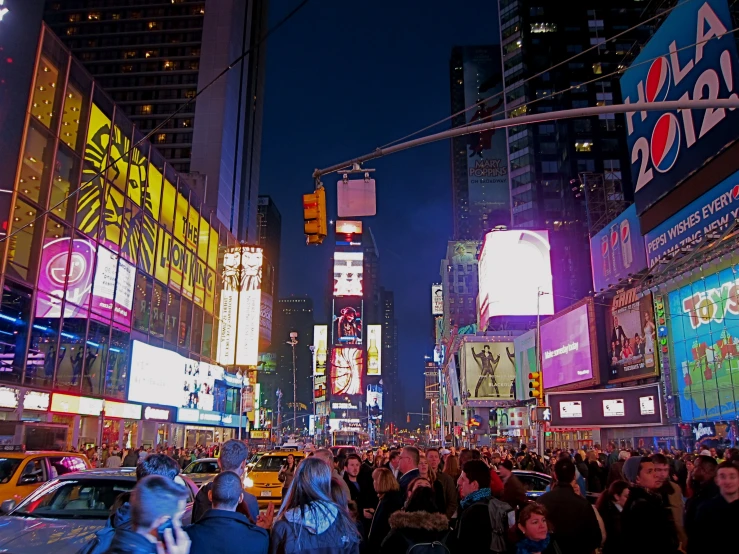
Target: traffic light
column 314, row 216
column 536, row 387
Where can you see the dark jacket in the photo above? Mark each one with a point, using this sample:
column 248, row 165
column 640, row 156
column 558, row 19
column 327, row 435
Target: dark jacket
column 128, row 542
column 615, row 473
column 647, row 525
column 713, row 520
column 318, row 535
column 514, row 493
column 363, row 493
column 593, row 478
column 615, row 543
column 573, row 518
column 131, row 459
column 451, row 496
column 224, row 532
column 390, row 503
column 249, row 506
column 473, row 531
column 406, row 479
column 410, row 528
column 701, row 495
column 120, row 519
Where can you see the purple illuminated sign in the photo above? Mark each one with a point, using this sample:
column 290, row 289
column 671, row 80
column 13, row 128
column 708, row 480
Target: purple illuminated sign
column 65, row 275
column 565, row 348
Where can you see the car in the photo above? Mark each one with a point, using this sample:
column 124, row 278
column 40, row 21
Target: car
column 202, row 471
column 23, row 471
column 63, row 514
column 253, row 461
column 262, row 480
column 534, row 483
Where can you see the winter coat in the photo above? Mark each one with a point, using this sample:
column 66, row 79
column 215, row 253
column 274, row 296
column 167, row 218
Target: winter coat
column 131, row 459
column 701, row 494
column 406, row 479
column 593, row 479
column 249, row 506
column 224, row 532
column 390, row 503
column 514, row 493
column 614, row 536
column 451, row 496
column 409, row 528
column 129, row 542
column 573, row 518
column 647, row 524
column 119, row 520
column 473, row 531
column 714, row 518
column 311, row 532
column 672, row 496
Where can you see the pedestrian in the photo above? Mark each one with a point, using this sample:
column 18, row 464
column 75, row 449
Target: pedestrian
column 130, row 459
column 451, row 467
column 615, row 473
column 114, row 461
column 473, row 531
column 222, row 530
column 448, row 484
column 573, row 518
column 328, row 458
column 594, row 482
column 286, row 474
column 672, row 496
column 422, row 522
column 408, row 465
column 234, row 454
column 703, row 487
column 425, row 471
column 718, row 514
column 155, row 501
column 514, row 493
column 393, row 463
column 535, row 530
column 391, row 500
column 361, row 489
column 647, row 525
column 309, row 520
column 610, row 505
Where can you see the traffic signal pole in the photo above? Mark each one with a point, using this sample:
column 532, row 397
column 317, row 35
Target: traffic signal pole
column 672, row 105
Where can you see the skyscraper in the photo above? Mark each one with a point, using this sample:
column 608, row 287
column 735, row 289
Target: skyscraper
column 394, row 405
column 269, row 235
column 153, row 56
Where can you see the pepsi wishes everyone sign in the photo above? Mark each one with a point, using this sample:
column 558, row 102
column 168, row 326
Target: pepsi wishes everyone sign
column 692, row 56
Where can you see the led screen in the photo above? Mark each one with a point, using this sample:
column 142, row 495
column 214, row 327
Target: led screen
column 631, row 337
column 490, row 370
column 437, row 300
column 347, row 324
column 565, row 348
column 515, row 266
column 348, row 272
column 320, row 349
column 374, row 401
column 65, row 275
column 346, row 371
column 374, row 350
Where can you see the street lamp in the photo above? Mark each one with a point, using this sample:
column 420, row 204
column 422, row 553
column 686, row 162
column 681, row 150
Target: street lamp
column 293, row 342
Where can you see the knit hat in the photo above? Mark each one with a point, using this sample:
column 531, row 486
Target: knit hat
column 631, row 468
column 705, row 452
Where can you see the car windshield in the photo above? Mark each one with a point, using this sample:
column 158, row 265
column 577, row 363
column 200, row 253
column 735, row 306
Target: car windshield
column 272, row 463
column 79, row 499
column 7, row 468
column 202, row 467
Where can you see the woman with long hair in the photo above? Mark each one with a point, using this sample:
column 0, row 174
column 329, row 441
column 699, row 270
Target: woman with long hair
column 309, row 519
column 422, row 522
column 391, row 500
column 451, row 467
column 286, row 474
column 427, row 472
column 610, row 504
column 536, row 534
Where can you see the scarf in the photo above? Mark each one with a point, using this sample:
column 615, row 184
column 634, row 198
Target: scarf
column 526, row 546
column 480, row 494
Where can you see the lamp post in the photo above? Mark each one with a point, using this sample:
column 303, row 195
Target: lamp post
column 293, row 342
column 540, row 401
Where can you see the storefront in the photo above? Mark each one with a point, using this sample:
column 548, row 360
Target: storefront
column 205, row 428
column 35, row 404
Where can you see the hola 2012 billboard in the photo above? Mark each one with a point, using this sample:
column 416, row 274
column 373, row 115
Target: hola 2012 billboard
column 691, row 56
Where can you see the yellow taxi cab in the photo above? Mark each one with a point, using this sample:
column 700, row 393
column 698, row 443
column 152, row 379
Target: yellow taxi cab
column 262, row 480
column 22, row 472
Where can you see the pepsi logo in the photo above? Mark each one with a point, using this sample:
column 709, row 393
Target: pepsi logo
column 625, row 232
column 735, row 192
column 604, row 247
column 658, row 80
column 665, row 143
column 614, row 239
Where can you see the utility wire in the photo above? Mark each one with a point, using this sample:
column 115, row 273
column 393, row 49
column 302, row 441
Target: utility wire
column 594, row 47
column 151, row 133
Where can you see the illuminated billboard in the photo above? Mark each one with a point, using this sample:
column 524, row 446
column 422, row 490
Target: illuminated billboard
column 348, row 233
column 631, row 334
column 65, row 275
column 568, row 348
column 320, row 349
column 346, row 371
column 238, row 334
column 515, row 267
column 347, row 324
column 490, row 370
column 348, row 272
column 112, row 289
column 437, row 300
column 374, row 349
column 525, row 351
column 374, row 401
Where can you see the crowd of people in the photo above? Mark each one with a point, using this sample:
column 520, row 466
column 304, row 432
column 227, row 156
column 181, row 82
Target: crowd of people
column 393, row 501
column 113, row 457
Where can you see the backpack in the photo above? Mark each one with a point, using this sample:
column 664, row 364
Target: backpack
column 435, row 547
column 502, row 516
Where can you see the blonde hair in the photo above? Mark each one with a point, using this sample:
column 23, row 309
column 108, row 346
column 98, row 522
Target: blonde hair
column 386, row 482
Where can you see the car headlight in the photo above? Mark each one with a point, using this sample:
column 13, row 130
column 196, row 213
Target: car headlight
column 248, row 482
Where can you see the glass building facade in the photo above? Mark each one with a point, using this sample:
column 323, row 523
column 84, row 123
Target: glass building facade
column 106, row 244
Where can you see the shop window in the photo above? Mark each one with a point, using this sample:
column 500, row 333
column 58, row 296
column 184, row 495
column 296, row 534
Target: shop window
column 37, row 161
column 96, row 353
column 583, row 146
column 43, row 352
column 15, row 315
column 173, row 317
column 72, row 112
column 142, row 302
column 158, row 310
column 185, row 324
column 116, row 369
column 64, row 180
column 25, row 229
column 45, row 97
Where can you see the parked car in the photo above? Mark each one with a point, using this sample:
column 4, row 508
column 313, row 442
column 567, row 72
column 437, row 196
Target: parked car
column 534, row 483
column 63, row 514
column 262, row 481
column 202, row 471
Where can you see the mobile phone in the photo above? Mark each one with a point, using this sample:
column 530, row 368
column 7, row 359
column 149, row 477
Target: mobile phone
column 160, row 531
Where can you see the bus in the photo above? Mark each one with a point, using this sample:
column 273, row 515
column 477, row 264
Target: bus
column 347, row 437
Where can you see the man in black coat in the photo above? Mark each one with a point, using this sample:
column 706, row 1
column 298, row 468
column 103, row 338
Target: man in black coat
column 222, row 530
column 720, row 513
column 473, row 530
column 409, row 458
column 361, row 489
column 573, row 518
column 704, row 489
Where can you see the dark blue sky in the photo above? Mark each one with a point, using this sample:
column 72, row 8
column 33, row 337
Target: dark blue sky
column 342, row 79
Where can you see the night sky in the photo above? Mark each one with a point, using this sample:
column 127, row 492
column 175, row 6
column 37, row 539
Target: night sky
column 342, row 79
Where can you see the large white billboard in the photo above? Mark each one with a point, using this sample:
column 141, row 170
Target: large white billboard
column 514, row 267
column 238, row 333
column 348, row 273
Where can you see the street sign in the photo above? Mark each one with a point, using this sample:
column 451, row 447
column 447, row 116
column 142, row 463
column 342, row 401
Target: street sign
column 543, row 413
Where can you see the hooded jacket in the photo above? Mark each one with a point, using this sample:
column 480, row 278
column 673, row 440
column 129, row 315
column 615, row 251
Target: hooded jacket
column 223, row 531
column 647, row 524
column 119, row 520
column 129, row 542
column 410, row 528
column 311, row 530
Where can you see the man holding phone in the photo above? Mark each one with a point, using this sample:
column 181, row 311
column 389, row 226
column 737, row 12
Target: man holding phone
column 157, row 506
